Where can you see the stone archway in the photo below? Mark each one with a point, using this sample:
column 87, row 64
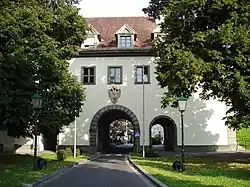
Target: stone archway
column 93, row 131
column 170, row 132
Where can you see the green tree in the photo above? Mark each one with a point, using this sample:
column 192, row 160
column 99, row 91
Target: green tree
column 155, row 8
column 206, row 46
column 37, row 37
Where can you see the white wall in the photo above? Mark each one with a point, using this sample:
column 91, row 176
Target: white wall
column 204, row 125
column 24, row 143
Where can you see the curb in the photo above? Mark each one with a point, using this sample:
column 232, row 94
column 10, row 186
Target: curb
column 62, row 171
column 155, row 181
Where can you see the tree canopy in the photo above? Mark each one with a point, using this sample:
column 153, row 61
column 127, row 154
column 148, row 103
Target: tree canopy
column 206, row 46
column 155, row 8
column 37, row 37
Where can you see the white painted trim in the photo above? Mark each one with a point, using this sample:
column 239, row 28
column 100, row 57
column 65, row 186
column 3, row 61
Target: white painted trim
column 125, row 27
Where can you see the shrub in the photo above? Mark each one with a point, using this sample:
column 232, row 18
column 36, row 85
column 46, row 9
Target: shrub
column 151, row 154
column 69, row 152
column 61, row 154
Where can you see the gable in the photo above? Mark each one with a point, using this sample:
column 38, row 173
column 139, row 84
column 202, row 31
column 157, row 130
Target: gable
column 125, row 29
column 92, row 31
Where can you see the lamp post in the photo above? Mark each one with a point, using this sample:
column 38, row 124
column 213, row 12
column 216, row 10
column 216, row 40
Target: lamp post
column 37, row 103
column 182, row 104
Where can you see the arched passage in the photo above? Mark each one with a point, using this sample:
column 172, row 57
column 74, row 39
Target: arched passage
column 99, row 127
column 169, row 131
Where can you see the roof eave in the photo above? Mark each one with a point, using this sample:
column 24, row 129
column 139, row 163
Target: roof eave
column 115, row 52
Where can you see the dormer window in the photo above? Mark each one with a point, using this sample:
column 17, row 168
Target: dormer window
column 92, row 39
column 126, row 37
column 125, row 41
column 157, row 33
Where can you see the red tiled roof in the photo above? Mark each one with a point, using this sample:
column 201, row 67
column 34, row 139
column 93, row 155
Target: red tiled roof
column 108, row 26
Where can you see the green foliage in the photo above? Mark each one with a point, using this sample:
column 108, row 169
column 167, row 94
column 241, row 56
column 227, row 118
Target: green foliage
column 16, row 170
column 201, row 171
column 155, row 8
column 151, row 154
column 69, row 152
column 148, row 153
column 243, row 137
column 61, row 154
column 206, row 47
column 36, row 39
column 78, row 152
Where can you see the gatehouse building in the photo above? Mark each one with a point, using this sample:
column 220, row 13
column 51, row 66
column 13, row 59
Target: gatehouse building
column 110, row 64
column 116, row 66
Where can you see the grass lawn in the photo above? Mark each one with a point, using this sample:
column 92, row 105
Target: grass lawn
column 17, row 169
column 200, row 172
column 243, row 137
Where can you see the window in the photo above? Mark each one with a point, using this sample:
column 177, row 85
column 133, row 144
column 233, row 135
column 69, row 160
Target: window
column 139, row 74
column 88, row 75
column 89, row 46
column 125, row 41
column 115, row 75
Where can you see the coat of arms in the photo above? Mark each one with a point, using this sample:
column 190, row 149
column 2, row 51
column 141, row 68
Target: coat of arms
column 114, row 94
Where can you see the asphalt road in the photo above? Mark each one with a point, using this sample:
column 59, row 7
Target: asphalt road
column 106, row 171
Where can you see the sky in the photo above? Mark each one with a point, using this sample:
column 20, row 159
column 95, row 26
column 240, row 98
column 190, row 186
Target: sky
column 112, row 8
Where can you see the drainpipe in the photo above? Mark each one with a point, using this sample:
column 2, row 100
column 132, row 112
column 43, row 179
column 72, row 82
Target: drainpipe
column 75, row 140
column 143, row 113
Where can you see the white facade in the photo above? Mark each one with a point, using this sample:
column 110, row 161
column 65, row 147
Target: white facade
column 203, row 119
column 19, row 145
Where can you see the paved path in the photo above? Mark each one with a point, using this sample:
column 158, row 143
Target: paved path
column 106, row 171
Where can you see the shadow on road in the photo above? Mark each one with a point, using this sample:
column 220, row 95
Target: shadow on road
column 108, row 171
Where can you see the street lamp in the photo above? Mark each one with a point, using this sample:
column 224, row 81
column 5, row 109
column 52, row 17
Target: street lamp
column 37, row 103
column 182, row 104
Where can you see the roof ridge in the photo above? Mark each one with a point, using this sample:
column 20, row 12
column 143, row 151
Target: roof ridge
column 121, row 17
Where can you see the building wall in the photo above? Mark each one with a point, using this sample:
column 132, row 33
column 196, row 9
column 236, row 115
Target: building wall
column 18, row 145
column 203, row 119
